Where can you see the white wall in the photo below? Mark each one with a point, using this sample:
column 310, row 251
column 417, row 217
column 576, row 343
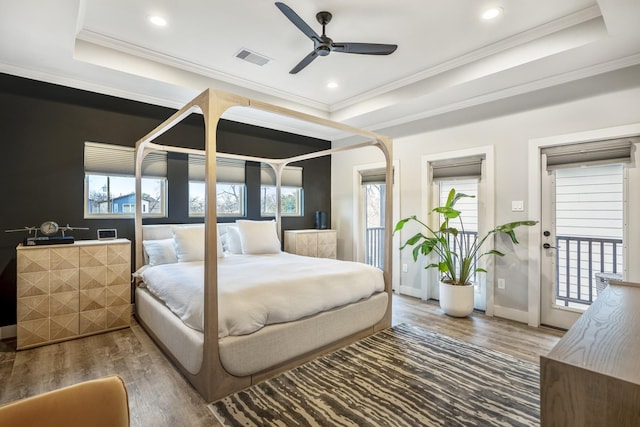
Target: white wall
column 342, row 213
column 509, row 135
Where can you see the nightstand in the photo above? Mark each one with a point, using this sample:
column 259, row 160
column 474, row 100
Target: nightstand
column 314, row 243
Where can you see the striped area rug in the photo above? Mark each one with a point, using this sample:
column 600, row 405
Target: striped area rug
column 403, row 376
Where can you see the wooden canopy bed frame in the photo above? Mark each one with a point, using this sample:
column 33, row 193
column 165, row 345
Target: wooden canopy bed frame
column 213, row 381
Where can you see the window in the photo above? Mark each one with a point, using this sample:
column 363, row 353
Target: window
column 291, row 201
column 291, row 194
column 374, row 189
column 468, row 206
column 463, row 174
column 230, row 186
column 110, row 182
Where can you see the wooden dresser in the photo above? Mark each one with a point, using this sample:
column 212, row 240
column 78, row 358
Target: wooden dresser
column 73, row 290
column 592, row 376
column 315, row 243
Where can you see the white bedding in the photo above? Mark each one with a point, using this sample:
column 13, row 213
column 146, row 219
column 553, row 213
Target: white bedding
column 258, row 290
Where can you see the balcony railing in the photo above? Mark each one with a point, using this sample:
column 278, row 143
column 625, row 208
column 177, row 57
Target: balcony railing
column 467, row 238
column 374, row 247
column 578, row 260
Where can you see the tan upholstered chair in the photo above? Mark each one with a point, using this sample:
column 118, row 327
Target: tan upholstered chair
column 97, row 403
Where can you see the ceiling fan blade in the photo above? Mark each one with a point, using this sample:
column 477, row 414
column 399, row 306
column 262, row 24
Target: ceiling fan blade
column 298, row 22
column 364, row 48
column 305, row 61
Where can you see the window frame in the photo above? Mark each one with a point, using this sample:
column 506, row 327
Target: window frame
column 117, row 162
column 291, row 179
column 125, row 215
column 299, row 202
column 243, row 201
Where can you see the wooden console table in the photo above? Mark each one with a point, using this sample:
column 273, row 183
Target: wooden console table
column 592, row 376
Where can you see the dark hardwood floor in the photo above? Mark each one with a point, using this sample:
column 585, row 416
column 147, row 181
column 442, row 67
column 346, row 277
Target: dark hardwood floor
column 160, row 396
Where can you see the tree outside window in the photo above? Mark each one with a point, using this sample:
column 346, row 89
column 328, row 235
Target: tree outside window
column 291, row 201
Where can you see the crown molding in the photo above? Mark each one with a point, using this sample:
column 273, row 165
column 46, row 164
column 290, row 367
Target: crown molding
column 99, row 39
column 528, row 87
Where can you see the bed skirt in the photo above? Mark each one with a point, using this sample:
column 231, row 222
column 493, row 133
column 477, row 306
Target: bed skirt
column 183, row 342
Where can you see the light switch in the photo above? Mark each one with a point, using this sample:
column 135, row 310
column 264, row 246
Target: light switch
column 517, row 206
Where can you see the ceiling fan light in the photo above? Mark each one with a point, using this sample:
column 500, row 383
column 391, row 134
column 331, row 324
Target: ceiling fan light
column 158, row 20
column 492, row 13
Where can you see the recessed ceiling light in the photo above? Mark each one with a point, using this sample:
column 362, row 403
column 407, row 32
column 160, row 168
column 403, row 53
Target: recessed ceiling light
column 158, row 20
column 492, row 13
column 332, row 85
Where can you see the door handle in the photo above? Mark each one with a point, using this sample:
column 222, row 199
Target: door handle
column 548, row 246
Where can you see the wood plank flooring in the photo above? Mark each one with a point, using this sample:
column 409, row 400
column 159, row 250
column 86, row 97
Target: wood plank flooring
column 160, row 396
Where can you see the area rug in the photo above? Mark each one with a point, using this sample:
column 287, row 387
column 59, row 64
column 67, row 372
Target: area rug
column 403, row 376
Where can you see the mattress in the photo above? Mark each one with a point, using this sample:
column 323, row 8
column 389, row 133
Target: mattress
column 259, row 290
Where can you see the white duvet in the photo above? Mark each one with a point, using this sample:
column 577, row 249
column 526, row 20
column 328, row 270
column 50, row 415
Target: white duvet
column 258, row 290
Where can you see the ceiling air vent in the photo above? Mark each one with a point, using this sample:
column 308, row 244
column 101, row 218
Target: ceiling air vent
column 252, row 57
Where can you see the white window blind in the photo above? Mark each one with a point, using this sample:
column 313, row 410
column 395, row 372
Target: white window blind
column 590, row 201
column 460, row 167
column 468, row 206
column 590, row 153
column 291, row 176
column 374, row 176
column 117, row 160
column 229, row 171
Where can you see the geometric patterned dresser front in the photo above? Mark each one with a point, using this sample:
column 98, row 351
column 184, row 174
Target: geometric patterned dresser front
column 311, row 242
column 73, row 290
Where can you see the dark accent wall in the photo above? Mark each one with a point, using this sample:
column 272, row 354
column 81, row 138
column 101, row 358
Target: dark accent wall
column 43, row 128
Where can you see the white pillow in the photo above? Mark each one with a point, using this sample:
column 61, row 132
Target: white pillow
column 189, row 243
column 234, row 245
column 160, row 251
column 258, row 237
column 220, row 249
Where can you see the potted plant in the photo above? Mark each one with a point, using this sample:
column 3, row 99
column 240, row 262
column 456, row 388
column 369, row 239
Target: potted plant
column 457, row 257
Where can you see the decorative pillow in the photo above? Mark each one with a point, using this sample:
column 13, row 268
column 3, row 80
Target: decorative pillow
column 160, row 251
column 189, row 243
column 258, row 237
column 234, row 245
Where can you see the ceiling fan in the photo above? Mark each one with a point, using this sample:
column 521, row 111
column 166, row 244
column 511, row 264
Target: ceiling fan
column 323, row 45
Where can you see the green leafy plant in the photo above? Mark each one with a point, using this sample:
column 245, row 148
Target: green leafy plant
column 458, row 257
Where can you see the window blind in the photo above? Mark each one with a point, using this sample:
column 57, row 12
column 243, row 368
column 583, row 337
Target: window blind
column 118, row 160
column 291, row 176
column 590, row 153
column 460, row 167
column 229, row 171
column 468, row 206
column 375, row 176
column 589, row 202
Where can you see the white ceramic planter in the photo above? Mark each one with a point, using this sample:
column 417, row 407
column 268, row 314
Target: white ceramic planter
column 456, row 301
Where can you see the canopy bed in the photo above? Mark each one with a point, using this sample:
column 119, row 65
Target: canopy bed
column 219, row 353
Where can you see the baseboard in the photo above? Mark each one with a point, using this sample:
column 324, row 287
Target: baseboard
column 9, row 331
column 411, row 291
column 511, row 314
